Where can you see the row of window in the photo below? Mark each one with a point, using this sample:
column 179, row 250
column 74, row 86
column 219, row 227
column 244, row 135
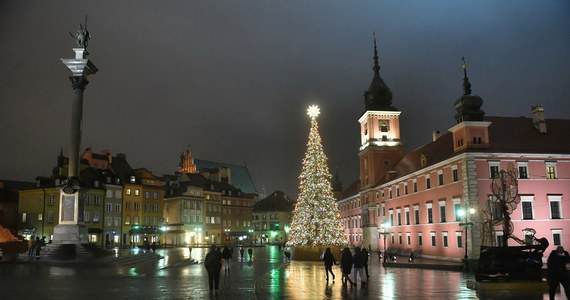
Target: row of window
column 192, row 204
column 237, row 223
column 414, row 184
column 136, row 206
column 213, row 220
column 213, row 208
column 236, row 202
column 406, row 188
column 416, row 213
column 117, row 194
column 92, row 199
column 523, row 170
column 40, row 217
column 271, row 217
column 192, row 218
column 135, row 221
column 556, row 238
column 352, row 222
column 433, row 239
column 264, row 226
column 137, row 192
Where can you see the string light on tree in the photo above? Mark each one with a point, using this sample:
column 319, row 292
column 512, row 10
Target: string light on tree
column 316, row 218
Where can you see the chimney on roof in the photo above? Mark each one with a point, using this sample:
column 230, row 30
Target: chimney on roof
column 538, row 118
column 435, row 135
column 122, row 156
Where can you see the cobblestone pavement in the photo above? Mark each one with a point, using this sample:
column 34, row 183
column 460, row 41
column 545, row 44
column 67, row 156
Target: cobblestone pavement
column 181, row 275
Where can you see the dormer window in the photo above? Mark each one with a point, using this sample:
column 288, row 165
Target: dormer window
column 423, row 160
column 133, row 179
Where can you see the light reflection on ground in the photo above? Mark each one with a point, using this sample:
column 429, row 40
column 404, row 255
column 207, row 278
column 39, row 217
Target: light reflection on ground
column 266, row 277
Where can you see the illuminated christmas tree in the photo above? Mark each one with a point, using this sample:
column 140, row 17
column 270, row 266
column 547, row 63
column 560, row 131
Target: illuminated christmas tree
column 316, row 218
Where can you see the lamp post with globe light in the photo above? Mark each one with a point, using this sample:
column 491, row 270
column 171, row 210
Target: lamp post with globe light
column 464, row 213
column 385, row 226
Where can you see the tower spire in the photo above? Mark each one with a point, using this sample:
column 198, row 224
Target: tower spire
column 466, row 83
column 378, row 96
column 376, row 67
column 468, row 106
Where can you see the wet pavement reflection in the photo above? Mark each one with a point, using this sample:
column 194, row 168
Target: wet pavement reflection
column 180, row 274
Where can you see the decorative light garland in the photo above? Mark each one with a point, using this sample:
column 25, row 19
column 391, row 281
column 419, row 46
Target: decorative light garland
column 316, row 218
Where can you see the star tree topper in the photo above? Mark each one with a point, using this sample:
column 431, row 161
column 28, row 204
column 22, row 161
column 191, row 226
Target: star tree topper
column 313, row 111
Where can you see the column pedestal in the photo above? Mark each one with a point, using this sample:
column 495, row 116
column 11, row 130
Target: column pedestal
column 370, row 237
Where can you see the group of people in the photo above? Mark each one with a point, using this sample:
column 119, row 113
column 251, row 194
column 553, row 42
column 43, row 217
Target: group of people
column 215, row 259
column 35, row 247
column 147, row 246
column 348, row 262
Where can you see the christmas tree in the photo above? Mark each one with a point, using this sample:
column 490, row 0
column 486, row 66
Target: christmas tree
column 316, row 218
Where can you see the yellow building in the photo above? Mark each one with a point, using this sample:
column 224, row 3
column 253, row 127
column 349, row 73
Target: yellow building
column 183, row 211
column 143, row 204
column 38, row 210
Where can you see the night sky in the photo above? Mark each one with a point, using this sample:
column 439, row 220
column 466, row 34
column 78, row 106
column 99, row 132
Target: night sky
column 233, row 79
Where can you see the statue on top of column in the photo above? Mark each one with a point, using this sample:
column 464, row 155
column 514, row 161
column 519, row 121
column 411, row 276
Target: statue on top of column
column 82, row 36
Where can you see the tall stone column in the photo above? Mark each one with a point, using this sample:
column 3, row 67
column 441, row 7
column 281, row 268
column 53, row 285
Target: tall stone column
column 71, row 227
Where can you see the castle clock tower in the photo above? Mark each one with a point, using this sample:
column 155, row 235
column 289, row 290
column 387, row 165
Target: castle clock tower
column 380, row 145
column 380, row 148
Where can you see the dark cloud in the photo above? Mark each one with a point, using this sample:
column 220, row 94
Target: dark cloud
column 233, row 78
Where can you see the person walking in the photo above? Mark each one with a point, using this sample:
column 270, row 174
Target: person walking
column 557, row 273
column 241, row 253
column 250, row 252
column 346, row 262
column 38, row 246
column 226, row 255
column 365, row 261
column 31, row 248
column 287, row 253
column 358, row 265
column 213, row 264
column 329, row 260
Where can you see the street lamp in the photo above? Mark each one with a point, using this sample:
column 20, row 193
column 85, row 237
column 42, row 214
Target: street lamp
column 462, row 212
column 386, row 225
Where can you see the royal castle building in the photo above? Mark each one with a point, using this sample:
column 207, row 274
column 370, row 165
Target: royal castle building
column 439, row 199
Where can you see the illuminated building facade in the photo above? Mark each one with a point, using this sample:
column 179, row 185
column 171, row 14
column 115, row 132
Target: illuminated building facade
column 272, row 218
column 426, row 195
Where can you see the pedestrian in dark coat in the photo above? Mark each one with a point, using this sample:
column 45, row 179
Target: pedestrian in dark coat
column 365, row 261
column 38, row 246
column 213, row 264
column 346, row 262
column 226, row 255
column 250, row 252
column 557, row 273
column 358, row 265
column 329, row 260
column 241, row 253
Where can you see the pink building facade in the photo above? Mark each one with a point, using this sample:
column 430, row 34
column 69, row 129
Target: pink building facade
column 421, row 194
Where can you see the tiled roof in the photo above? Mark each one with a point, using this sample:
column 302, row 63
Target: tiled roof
column 122, row 169
column 506, row 135
column 518, row 135
column 277, row 201
column 240, row 174
column 352, row 190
